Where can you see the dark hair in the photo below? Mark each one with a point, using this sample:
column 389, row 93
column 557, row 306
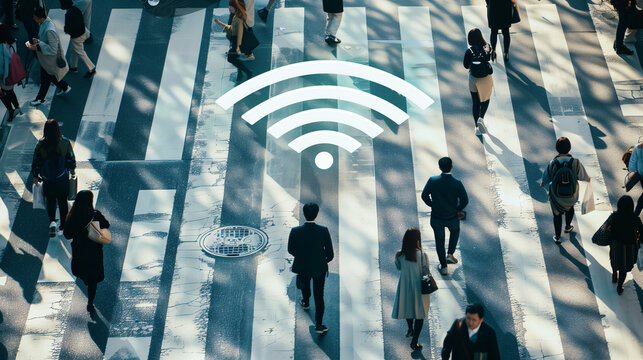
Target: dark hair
column 475, row 309
column 40, row 12
column 623, row 221
column 563, row 145
column 66, row 4
column 310, row 211
column 445, row 164
column 411, row 243
column 51, row 134
column 82, row 211
column 5, row 35
column 240, row 7
column 475, row 37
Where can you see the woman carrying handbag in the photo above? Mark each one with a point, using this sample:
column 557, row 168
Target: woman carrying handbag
column 410, row 303
column 625, row 229
column 87, row 254
column 7, row 50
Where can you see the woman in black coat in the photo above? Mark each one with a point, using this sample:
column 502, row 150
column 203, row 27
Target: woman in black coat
column 499, row 14
column 624, row 248
column 87, row 256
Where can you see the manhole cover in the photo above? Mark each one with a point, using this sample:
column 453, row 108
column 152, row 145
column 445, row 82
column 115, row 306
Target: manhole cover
column 233, row 241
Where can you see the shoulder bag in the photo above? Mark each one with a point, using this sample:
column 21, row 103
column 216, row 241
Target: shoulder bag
column 515, row 13
column 428, row 282
column 98, row 235
column 17, row 72
column 248, row 41
column 603, row 237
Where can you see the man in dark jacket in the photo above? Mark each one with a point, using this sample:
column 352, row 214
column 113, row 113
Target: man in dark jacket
column 75, row 27
column 334, row 10
column 447, row 198
column 24, row 13
column 471, row 338
column 312, row 248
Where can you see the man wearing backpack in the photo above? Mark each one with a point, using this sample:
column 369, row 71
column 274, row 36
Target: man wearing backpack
column 560, row 179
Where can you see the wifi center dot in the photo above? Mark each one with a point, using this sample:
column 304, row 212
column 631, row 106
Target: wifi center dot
column 324, row 160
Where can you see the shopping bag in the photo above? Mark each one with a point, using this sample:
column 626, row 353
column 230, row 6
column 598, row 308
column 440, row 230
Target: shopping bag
column 73, row 188
column 639, row 263
column 588, row 200
column 38, row 196
column 17, row 72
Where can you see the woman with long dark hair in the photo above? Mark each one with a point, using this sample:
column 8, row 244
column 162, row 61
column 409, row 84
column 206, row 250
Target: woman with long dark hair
column 87, row 256
column 410, row 303
column 624, row 249
column 7, row 95
column 53, row 160
column 476, row 59
column 234, row 33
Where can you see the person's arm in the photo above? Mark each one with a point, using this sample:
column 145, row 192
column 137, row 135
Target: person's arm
column 426, row 194
column 67, row 23
column 582, row 173
column 633, row 164
column 51, row 46
column 239, row 35
column 70, row 158
column 467, row 59
column 98, row 216
column 449, row 340
column 328, row 247
column 398, row 262
column 462, row 195
column 36, row 164
column 546, row 178
column 291, row 243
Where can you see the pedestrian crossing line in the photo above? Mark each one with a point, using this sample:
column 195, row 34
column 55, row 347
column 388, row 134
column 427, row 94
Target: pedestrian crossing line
column 360, row 316
column 625, row 70
column 429, row 144
column 104, row 98
column 131, row 330
column 186, row 321
column 620, row 314
column 174, row 101
column 273, row 329
column 527, row 280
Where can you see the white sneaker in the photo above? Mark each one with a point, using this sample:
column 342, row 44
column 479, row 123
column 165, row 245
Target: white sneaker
column 62, row 92
column 481, row 126
column 52, row 229
column 37, row 102
column 477, row 131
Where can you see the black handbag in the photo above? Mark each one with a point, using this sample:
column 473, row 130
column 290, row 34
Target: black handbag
column 73, row 188
column 603, row 236
column 248, row 41
column 515, row 14
column 629, row 183
column 634, row 18
column 428, row 282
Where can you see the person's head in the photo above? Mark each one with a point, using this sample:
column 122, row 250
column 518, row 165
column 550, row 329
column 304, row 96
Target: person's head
column 475, row 37
column 39, row 14
column 445, row 164
column 473, row 315
column 238, row 7
column 411, row 243
column 625, row 205
column 310, row 211
column 563, row 145
column 83, row 206
column 66, row 4
column 51, row 133
column 5, row 35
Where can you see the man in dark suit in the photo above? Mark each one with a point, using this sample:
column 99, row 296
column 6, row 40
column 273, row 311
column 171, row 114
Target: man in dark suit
column 447, row 198
column 471, row 338
column 312, row 248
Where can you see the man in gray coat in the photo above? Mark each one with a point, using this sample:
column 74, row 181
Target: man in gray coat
column 50, row 56
column 447, row 198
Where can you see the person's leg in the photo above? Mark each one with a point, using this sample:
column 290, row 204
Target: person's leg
column 506, row 39
column 409, row 323
column 639, row 206
column 483, row 108
column 234, row 60
column 75, row 51
column 13, row 98
column 91, row 295
column 80, row 50
column 620, row 28
column 558, row 224
column 50, row 199
column 493, row 39
column 45, row 81
column 318, row 293
column 454, row 233
column 305, row 288
column 62, row 191
column 333, row 20
column 62, row 84
column 621, row 279
column 417, row 329
column 6, row 100
column 438, row 231
column 569, row 216
column 475, row 109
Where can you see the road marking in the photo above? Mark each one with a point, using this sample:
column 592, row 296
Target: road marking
column 174, row 101
column 273, row 329
column 622, row 329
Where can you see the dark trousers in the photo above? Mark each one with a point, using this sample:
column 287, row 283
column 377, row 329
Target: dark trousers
column 417, row 329
column 639, row 202
column 621, row 27
column 505, row 36
column 479, row 108
column 56, row 192
column 558, row 221
column 45, row 81
column 10, row 100
column 7, row 8
column 233, row 58
column 438, row 226
column 91, row 293
column 318, row 292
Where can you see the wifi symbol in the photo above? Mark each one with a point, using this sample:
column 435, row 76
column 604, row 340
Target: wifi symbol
column 324, row 160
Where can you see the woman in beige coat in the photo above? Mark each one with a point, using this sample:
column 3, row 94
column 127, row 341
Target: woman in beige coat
column 50, row 53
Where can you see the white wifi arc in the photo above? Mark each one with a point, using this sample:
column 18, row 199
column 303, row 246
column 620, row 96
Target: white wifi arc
column 324, row 160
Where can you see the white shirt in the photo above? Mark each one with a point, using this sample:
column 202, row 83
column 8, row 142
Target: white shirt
column 474, row 331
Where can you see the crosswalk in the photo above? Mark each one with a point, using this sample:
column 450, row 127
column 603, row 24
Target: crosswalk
column 159, row 220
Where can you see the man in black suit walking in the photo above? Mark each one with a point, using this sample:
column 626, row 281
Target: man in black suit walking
column 312, row 248
column 471, row 338
column 447, row 198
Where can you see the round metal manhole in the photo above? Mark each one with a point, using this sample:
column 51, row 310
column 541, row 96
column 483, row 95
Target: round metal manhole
column 233, row 241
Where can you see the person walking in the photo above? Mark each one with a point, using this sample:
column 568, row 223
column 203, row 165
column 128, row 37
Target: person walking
column 636, row 165
column 560, row 179
column 75, row 28
column 7, row 95
column 312, row 248
column 7, row 8
column 263, row 13
column 24, row 13
column 86, row 255
column 476, row 59
column 447, row 198
column 53, row 161
column 334, row 10
column 499, row 15
column 234, row 33
column 472, row 340
column 50, row 53
column 623, row 8
column 410, row 303
column 626, row 229
column 85, row 7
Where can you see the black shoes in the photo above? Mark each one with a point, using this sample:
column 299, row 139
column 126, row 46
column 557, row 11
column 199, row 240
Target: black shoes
column 569, row 229
column 263, row 14
column 409, row 333
column 622, row 49
column 416, row 347
column 320, row 329
column 89, row 40
column 304, row 304
column 90, row 73
column 74, row 70
column 91, row 309
column 332, row 40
